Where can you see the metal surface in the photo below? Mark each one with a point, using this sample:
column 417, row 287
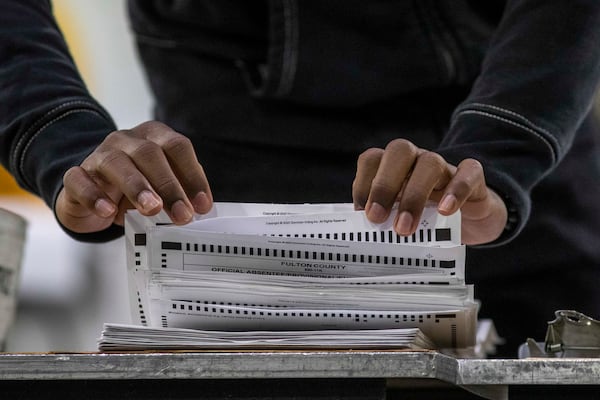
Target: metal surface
column 542, row 371
column 292, row 364
column 573, row 334
column 218, row 365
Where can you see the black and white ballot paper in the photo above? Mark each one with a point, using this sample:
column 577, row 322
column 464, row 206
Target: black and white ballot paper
column 278, row 275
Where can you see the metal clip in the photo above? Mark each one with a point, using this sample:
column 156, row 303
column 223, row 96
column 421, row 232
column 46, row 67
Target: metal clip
column 573, row 334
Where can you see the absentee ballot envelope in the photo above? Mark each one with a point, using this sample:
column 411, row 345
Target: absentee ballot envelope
column 251, row 267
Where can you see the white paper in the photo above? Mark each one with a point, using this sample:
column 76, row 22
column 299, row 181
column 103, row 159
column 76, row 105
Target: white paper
column 185, row 249
column 294, row 262
column 434, row 228
column 226, row 289
column 117, row 337
column 448, row 328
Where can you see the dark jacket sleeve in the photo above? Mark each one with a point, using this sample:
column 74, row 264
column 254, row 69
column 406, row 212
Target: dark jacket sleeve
column 48, row 120
column 536, row 86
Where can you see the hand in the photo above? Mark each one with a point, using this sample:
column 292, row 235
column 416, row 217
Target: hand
column 412, row 176
column 149, row 167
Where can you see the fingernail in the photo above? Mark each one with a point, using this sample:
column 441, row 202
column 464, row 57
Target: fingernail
column 201, row 203
column 104, row 208
column 448, row 203
column 148, row 200
column 404, row 223
column 376, row 212
column 181, row 213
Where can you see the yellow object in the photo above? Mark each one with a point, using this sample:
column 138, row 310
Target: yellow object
column 8, row 184
column 74, row 35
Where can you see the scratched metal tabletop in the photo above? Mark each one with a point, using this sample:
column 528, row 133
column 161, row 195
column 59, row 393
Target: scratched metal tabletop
column 300, row 364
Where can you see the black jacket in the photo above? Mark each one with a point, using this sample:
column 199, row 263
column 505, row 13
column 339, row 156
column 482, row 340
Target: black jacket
column 271, row 86
column 536, row 74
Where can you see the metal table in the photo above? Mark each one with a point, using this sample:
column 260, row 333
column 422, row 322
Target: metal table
column 286, row 375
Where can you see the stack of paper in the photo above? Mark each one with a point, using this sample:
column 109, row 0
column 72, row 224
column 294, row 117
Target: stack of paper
column 119, row 337
column 256, row 275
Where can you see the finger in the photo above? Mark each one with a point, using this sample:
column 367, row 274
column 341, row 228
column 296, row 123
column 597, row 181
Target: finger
column 366, row 169
column 484, row 220
column 117, row 169
column 152, row 162
column 184, row 163
column 81, row 206
column 467, row 184
column 396, row 165
column 157, row 173
column 430, row 172
column 80, row 189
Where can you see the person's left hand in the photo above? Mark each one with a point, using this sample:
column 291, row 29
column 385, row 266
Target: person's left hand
column 411, row 176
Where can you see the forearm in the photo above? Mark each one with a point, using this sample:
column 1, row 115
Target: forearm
column 48, row 120
column 536, row 85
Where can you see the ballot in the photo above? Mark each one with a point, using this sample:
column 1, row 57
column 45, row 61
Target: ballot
column 256, row 275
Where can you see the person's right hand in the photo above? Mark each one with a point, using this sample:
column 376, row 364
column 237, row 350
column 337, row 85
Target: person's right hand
column 149, row 167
